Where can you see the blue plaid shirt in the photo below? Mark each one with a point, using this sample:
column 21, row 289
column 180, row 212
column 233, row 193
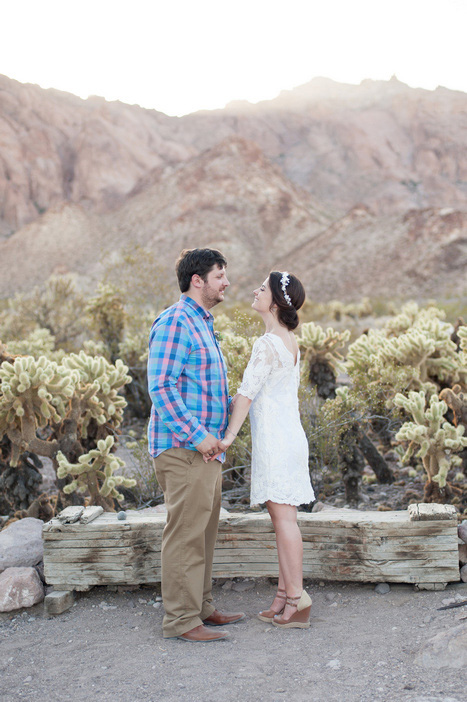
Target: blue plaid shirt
column 187, row 379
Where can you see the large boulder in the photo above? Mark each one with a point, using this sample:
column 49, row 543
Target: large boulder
column 21, row 544
column 445, row 650
column 20, row 587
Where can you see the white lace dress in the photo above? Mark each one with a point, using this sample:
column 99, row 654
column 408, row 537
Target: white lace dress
column 279, row 466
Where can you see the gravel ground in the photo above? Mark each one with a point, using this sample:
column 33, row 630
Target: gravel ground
column 360, row 648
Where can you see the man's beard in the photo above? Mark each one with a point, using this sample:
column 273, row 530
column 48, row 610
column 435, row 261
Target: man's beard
column 211, row 297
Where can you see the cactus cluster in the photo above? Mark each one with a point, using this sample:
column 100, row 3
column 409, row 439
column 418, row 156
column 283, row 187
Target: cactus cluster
column 413, row 352
column 33, row 395
column 321, row 356
column 95, row 473
column 97, row 387
column 61, row 401
column 438, row 440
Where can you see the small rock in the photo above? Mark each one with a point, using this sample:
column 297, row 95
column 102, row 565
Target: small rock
column 464, row 574
column 156, row 605
column 382, row 589
column 20, row 587
column 330, row 596
column 121, row 515
column 28, row 679
column 58, row 601
column 335, row 664
column 448, row 601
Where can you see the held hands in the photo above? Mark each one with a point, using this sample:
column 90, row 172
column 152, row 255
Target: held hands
column 209, row 447
column 222, row 446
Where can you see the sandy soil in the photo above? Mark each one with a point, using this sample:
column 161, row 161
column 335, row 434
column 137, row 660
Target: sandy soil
column 360, row 648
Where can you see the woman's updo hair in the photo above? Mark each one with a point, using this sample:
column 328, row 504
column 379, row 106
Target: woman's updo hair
column 287, row 313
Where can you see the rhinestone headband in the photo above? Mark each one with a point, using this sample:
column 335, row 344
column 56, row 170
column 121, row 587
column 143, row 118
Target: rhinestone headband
column 284, row 282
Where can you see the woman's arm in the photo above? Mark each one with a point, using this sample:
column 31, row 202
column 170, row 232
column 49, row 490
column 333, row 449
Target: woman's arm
column 239, row 413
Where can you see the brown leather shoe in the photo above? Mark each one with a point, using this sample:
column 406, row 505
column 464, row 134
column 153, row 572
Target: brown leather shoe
column 223, row 618
column 203, row 634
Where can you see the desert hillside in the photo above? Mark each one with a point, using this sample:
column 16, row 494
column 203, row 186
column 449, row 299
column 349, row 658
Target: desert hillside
column 360, row 189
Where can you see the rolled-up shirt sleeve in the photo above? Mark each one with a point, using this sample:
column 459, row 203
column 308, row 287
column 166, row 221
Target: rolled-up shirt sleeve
column 169, row 349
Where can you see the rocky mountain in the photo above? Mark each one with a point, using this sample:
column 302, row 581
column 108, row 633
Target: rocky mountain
column 55, row 148
column 230, row 197
column 360, row 189
column 420, row 254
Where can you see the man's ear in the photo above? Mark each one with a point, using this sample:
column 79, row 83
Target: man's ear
column 197, row 281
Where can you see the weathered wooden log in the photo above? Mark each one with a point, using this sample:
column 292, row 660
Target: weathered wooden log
column 338, row 545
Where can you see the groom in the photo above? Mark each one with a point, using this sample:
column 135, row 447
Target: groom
column 187, row 383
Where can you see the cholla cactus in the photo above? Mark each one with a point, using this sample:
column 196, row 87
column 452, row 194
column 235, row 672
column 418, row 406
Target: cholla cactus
column 107, row 316
column 322, row 357
column 422, row 357
column 39, row 342
column 456, row 400
column 95, row 472
column 33, row 394
column 411, row 315
column 438, row 440
column 64, row 399
column 135, row 350
column 462, row 334
column 97, row 389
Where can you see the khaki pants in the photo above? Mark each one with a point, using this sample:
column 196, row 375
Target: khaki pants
column 192, row 492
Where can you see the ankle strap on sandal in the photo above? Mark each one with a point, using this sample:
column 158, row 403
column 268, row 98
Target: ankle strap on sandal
column 293, row 601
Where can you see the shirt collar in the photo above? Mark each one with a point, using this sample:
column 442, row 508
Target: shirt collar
column 205, row 314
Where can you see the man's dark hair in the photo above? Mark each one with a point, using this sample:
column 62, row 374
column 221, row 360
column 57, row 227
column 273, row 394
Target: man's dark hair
column 197, row 262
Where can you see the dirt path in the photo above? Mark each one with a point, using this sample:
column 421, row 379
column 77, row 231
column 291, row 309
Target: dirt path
column 360, row 648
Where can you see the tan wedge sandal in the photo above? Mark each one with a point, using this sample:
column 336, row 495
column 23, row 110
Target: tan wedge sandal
column 268, row 615
column 300, row 619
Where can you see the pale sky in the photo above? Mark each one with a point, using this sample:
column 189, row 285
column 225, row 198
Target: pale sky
column 179, row 56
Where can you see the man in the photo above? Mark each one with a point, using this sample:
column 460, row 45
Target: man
column 188, row 387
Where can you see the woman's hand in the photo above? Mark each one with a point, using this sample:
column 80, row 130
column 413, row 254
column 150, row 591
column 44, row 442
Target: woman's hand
column 223, row 445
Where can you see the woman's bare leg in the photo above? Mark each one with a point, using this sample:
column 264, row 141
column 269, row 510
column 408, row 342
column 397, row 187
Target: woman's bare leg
column 278, row 603
column 289, row 550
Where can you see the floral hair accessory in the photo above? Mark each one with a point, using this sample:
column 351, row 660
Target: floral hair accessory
column 284, row 282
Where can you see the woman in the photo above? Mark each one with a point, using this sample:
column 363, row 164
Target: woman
column 279, row 468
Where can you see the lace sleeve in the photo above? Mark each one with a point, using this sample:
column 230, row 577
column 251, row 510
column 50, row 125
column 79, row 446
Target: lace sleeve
column 259, row 367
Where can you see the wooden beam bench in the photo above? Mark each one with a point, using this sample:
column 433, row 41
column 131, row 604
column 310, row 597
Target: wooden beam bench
column 419, row 546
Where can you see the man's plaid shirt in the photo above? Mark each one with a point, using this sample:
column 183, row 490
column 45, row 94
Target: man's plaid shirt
column 187, row 379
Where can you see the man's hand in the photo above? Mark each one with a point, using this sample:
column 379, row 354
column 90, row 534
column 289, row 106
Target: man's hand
column 222, row 447
column 209, row 446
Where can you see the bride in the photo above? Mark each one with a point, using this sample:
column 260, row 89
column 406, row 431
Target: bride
column 279, row 468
